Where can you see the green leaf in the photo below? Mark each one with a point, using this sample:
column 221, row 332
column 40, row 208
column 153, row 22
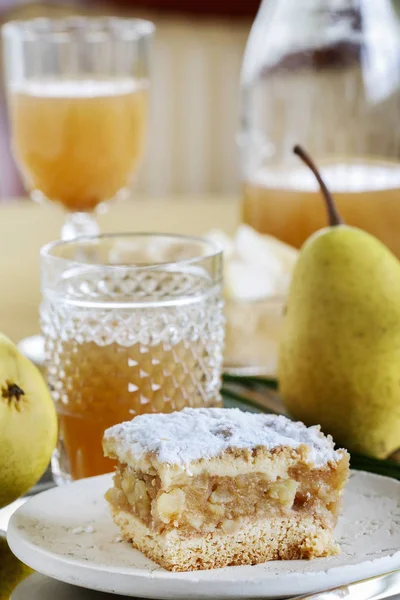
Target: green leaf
column 269, row 382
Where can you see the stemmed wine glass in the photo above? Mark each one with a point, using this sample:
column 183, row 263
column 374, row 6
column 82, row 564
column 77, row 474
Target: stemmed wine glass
column 78, row 101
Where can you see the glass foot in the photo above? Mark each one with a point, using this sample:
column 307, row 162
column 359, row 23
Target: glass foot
column 79, row 224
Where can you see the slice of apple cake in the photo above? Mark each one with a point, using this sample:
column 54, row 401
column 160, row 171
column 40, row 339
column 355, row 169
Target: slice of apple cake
column 207, row 488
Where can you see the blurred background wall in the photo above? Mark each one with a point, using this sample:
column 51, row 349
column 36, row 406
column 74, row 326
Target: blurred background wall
column 197, row 57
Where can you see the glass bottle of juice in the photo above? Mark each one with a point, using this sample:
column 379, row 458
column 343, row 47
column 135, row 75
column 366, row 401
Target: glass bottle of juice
column 324, row 74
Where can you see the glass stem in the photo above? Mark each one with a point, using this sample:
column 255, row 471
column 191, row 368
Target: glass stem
column 79, row 224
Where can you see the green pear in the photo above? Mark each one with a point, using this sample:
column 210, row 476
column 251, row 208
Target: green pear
column 28, row 423
column 339, row 363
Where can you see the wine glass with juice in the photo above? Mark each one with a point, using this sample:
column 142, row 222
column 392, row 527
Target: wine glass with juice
column 78, row 102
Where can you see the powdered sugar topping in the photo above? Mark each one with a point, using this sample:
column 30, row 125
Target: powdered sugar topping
column 192, row 434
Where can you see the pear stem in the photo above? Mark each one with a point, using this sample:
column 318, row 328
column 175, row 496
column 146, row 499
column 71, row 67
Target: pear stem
column 334, row 217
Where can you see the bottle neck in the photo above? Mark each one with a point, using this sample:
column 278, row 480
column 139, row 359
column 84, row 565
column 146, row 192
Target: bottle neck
column 312, row 33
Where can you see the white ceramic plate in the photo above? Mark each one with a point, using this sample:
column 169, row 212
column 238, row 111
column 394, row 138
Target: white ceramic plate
column 67, row 533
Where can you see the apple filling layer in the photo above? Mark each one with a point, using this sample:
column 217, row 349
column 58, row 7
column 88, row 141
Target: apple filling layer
column 205, row 503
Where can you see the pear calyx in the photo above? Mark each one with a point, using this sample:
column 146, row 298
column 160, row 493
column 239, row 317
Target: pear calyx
column 12, row 390
column 334, row 217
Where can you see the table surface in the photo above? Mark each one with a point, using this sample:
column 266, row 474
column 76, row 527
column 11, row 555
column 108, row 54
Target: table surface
column 25, row 227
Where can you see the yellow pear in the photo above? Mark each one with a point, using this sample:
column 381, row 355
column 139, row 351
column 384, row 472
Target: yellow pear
column 12, row 571
column 339, row 363
column 28, row 423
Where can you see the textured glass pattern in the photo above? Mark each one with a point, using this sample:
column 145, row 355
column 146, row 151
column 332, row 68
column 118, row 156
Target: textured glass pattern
column 164, row 355
column 124, row 340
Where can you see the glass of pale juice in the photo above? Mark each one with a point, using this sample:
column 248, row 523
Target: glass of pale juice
column 78, row 102
column 135, row 325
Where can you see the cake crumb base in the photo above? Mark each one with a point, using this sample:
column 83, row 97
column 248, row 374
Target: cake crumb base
column 278, row 538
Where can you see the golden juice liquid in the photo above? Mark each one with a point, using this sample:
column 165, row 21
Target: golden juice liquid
column 288, row 204
column 79, row 142
column 104, row 385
